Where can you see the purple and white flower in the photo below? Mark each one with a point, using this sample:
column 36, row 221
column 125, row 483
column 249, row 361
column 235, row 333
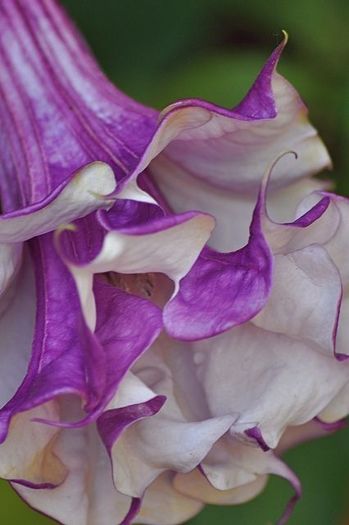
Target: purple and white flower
column 171, row 317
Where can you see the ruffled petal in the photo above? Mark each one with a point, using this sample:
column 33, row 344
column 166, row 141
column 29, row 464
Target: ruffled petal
column 232, row 211
column 232, row 148
column 59, row 111
column 27, row 456
column 17, row 308
column 10, row 261
column 279, row 378
column 338, row 245
column 222, row 290
column 161, row 444
column 87, row 191
column 87, row 495
column 66, row 357
column 169, row 245
column 234, row 467
column 149, row 446
column 231, row 464
column 164, row 505
column 195, row 485
column 305, row 298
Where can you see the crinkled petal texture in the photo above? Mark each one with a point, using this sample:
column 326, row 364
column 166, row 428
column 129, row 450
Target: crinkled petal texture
column 185, row 324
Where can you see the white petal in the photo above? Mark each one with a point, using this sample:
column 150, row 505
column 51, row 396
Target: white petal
column 305, row 297
column 10, row 260
column 86, row 192
column 231, row 464
column 17, row 317
column 270, row 380
column 233, row 153
column 164, row 505
column 195, row 485
column 342, row 337
column 156, row 444
column 338, row 245
column 87, row 496
column 27, row 454
column 232, row 211
column 338, row 408
column 172, row 251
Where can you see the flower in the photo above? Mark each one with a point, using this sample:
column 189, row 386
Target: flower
column 181, row 317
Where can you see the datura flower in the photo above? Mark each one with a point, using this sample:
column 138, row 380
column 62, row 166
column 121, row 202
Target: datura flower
column 174, row 287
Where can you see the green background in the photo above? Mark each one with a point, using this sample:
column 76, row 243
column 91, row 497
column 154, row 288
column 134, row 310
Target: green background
column 159, row 50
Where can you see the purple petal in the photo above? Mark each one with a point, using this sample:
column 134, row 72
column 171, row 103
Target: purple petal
column 113, row 422
column 54, row 95
column 231, row 149
column 66, row 356
column 222, row 290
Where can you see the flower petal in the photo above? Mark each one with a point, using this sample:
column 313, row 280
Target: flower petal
column 305, row 298
column 169, row 245
column 195, row 485
column 232, row 211
column 59, row 111
column 231, row 464
column 10, row 260
column 87, row 191
column 161, row 444
column 87, row 495
column 66, row 357
column 27, row 456
column 222, row 290
column 338, row 407
column 282, row 374
column 149, row 446
column 338, row 245
column 17, row 307
column 231, row 148
column 164, row 505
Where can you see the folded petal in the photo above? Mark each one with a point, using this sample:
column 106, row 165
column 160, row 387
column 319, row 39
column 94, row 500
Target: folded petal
column 222, row 290
column 305, row 297
column 58, row 110
column 153, row 446
column 17, row 309
column 231, row 464
column 87, row 191
column 338, row 245
column 10, row 260
column 27, row 456
column 195, row 485
column 164, row 505
column 232, row 148
column 279, row 378
column 149, row 446
column 66, row 357
column 232, row 211
column 234, row 467
column 169, row 245
column 87, row 495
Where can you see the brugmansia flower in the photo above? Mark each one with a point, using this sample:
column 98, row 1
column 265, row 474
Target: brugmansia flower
column 171, row 319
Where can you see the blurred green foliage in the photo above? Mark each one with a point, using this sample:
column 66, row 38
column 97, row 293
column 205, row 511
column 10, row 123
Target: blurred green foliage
column 158, row 51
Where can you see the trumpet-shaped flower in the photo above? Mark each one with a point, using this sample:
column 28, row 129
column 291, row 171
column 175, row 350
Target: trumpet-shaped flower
column 171, row 320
